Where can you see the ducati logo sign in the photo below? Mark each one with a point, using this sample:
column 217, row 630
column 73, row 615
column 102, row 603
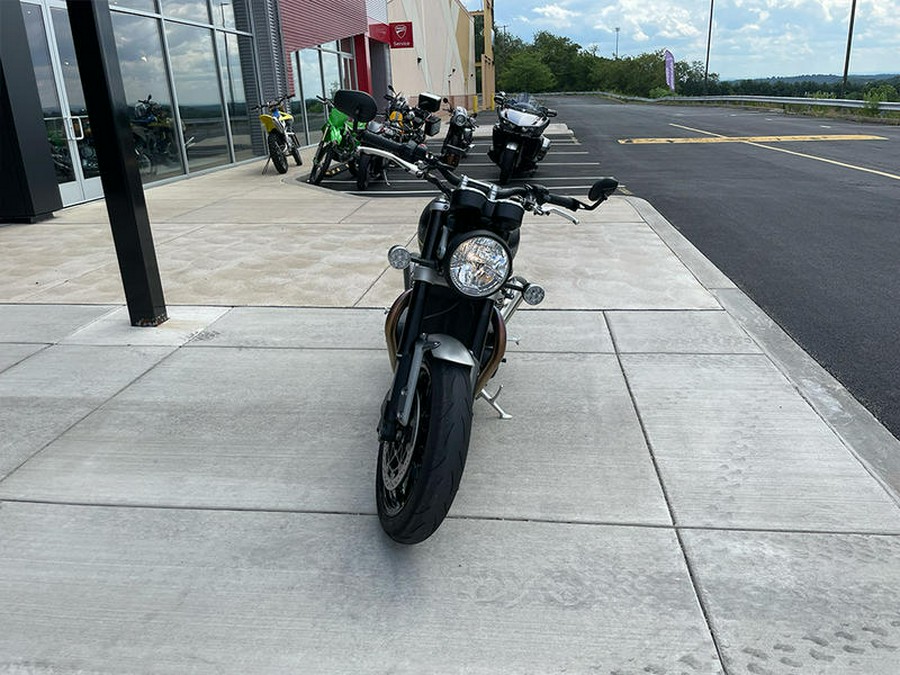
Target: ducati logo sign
column 401, row 35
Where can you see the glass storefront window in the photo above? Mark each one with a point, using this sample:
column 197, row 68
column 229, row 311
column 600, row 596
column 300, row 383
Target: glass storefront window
column 46, row 83
column 311, row 84
column 223, row 13
column 65, row 44
column 235, row 98
column 199, row 98
column 321, row 72
column 188, row 10
column 139, row 46
column 331, row 73
column 146, row 5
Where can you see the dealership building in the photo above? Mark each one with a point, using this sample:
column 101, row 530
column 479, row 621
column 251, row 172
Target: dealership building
column 193, row 70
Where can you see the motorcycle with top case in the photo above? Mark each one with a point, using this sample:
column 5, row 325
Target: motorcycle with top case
column 446, row 332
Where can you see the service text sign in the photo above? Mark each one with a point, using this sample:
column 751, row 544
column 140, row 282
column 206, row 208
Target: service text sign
column 401, row 34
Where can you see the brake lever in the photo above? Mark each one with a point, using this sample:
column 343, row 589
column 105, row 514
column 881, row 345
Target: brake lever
column 542, row 210
column 560, row 212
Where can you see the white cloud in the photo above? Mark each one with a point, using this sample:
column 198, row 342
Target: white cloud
column 751, row 38
column 556, row 15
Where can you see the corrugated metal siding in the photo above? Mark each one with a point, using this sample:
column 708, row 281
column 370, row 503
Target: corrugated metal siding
column 377, row 10
column 270, row 51
column 306, row 23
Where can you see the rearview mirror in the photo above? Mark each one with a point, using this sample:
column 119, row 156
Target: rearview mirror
column 357, row 105
column 603, row 188
column 550, row 112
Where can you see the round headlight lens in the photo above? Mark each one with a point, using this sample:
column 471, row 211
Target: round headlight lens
column 479, row 266
column 460, row 119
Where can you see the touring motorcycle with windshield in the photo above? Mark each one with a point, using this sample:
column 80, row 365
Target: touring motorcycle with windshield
column 518, row 142
column 446, row 332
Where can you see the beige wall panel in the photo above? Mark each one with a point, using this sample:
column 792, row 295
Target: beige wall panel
column 442, row 60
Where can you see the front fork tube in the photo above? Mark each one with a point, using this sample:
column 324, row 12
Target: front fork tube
column 409, row 358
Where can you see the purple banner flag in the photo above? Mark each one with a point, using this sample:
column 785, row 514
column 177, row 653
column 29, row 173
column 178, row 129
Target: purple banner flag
column 670, row 70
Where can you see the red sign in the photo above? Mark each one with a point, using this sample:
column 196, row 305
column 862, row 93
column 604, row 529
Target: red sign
column 380, row 32
column 401, row 34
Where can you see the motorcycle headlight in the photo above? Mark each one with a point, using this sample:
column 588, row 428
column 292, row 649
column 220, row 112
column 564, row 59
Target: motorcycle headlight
column 460, row 120
column 478, row 265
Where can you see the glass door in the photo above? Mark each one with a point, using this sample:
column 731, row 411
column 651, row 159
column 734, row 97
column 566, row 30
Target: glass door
column 62, row 101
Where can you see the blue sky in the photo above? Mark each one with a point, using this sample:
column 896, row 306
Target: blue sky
column 750, row 38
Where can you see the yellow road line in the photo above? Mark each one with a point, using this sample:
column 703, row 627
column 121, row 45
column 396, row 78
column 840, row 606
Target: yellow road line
column 713, row 137
column 752, row 139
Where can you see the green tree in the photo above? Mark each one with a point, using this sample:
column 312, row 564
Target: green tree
column 506, row 46
column 526, row 72
column 561, row 56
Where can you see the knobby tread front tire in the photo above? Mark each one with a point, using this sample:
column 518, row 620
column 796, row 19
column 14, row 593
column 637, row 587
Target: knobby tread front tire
column 276, row 152
column 443, row 458
column 321, row 162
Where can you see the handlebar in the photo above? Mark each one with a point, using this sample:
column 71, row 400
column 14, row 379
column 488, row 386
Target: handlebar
column 416, row 159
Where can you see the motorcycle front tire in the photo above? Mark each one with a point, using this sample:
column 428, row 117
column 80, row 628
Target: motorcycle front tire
column 276, row 152
column 450, row 157
column 363, row 167
column 321, row 162
column 414, row 510
column 507, row 164
column 295, row 153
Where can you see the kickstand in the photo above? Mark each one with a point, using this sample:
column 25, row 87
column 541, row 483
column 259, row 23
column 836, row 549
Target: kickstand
column 492, row 401
column 266, row 165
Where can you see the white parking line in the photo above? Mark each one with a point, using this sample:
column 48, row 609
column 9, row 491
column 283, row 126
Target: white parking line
column 391, row 193
column 467, row 164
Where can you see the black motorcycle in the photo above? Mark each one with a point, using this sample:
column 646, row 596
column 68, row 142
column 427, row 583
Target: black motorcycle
column 518, row 141
column 460, row 130
column 402, row 123
column 446, row 333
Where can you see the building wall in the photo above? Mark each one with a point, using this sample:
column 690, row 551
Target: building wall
column 306, row 23
column 442, row 59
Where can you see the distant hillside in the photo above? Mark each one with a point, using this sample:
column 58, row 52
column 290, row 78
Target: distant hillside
column 819, row 78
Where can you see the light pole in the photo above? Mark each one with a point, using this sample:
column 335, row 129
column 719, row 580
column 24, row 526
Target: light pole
column 617, row 42
column 708, row 44
column 849, row 42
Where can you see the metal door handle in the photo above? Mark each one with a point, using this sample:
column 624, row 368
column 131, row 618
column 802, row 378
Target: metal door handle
column 80, row 134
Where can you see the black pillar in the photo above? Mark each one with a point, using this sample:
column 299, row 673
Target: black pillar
column 28, row 189
column 104, row 95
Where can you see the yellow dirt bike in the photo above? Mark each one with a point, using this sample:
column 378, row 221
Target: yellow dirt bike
column 281, row 139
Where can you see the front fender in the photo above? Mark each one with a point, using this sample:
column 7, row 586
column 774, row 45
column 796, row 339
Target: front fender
column 331, row 134
column 450, row 349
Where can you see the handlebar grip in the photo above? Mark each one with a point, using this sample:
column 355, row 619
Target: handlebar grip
column 569, row 203
column 408, row 151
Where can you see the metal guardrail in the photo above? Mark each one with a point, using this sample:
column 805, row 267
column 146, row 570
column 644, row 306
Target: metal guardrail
column 893, row 106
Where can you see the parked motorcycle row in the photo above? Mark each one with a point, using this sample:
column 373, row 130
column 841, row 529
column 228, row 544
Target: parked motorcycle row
column 446, row 331
column 518, row 141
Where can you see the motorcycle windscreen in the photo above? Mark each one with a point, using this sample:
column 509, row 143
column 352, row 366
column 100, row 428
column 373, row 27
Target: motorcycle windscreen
column 522, row 119
column 357, row 105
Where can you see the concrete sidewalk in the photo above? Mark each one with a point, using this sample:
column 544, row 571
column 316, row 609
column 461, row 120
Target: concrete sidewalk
column 681, row 490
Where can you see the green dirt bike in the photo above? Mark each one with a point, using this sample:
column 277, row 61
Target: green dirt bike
column 340, row 139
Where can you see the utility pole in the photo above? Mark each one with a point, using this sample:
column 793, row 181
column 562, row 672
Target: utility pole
column 708, row 44
column 849, row 42
column 617, row 42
